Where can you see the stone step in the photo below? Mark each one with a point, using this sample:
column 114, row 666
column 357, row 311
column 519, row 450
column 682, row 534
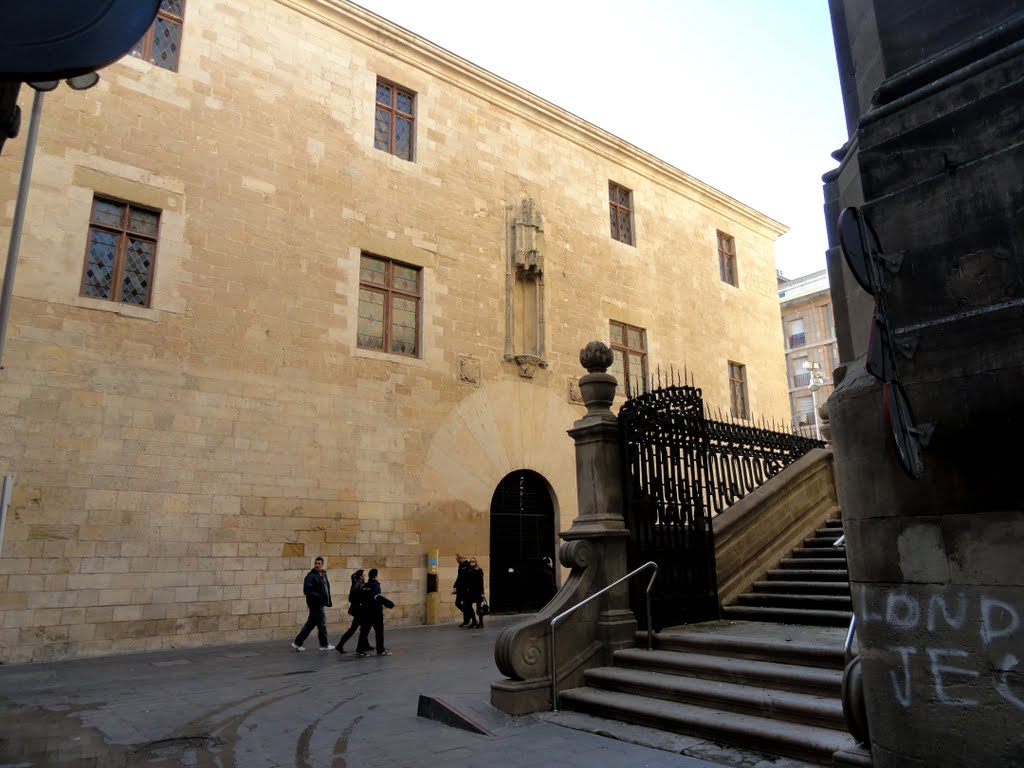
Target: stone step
column 796, row 678
column 826, row 618
column 826, row 711
column 790, row 599
column 829, row 533
column 802, row 553
column 813, row 648
column 804, row 587
column 822, row 541
column 806, row 742
column 805, row 570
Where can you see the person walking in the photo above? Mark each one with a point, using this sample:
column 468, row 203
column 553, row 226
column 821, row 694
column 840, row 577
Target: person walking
column 461, row 591
column 548, row 586
column 475, row 577
column 355, row 608
column 373, row 617
column 317, row 589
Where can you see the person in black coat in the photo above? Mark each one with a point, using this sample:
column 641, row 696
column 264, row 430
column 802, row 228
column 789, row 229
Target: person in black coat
column 356, row 608
column 461, row 591
column 317, row 590
column 475, row 592
column 373, row 616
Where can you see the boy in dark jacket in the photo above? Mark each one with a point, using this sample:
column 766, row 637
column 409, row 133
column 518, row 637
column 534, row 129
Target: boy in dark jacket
column 317, row 590
column 356, row 608
column 373, row 617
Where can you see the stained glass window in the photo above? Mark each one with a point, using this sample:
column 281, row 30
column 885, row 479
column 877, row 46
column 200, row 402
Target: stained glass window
column 162, row 42
column 389, row 306
column 629, row 366
column 393, row 120
column 620, row 210
column 121, row 252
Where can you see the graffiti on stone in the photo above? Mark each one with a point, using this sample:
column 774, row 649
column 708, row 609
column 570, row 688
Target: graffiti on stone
column 965, row 645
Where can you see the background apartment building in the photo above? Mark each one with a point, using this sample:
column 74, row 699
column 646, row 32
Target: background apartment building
column 297, row 282
column 809, row 330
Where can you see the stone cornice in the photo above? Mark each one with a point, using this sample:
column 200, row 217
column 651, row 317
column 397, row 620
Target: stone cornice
column 395, row 41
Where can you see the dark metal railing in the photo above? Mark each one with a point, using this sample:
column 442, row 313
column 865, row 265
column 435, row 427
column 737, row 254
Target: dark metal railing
column 681, row 468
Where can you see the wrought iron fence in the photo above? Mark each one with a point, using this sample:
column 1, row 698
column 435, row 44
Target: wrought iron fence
column 680, row 468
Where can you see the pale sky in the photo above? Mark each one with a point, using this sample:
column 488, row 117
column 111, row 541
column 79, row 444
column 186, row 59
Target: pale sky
column 742, row 94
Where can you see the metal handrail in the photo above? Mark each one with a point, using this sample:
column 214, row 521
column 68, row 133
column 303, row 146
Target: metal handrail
column 848, row 645
column 563, row 614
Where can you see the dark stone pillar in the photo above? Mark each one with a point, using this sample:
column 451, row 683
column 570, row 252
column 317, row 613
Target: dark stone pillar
column 936, row 163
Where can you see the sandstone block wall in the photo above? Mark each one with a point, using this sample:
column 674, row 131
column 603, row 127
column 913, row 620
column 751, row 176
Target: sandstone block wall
column 179, row 466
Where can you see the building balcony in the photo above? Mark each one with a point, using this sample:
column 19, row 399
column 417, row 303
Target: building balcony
column 797, row 340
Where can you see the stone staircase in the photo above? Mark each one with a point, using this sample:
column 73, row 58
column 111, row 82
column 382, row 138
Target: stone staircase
column 766, row 678
column 811, row 586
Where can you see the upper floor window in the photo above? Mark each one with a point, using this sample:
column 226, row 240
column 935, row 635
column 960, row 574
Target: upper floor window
column 801, row 373
column 738, row 391
column 393, row 123
column 797, row 337
column 727, row 259
column 161, row 43
column 629, row 366
column 389, row 306
column 828, row 324
column 121, row 252
column 620, row 212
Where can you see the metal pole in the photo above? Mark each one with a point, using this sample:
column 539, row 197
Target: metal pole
column 19, row 218
column 5, row 501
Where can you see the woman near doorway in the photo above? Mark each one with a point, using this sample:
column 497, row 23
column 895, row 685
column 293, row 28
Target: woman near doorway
column 475, row 592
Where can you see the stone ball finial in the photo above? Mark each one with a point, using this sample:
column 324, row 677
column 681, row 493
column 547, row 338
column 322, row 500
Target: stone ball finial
column 596, row 357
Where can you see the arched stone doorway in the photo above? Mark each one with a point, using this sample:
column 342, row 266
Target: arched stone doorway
column 522, row 532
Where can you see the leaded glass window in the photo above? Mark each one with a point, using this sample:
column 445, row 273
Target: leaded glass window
column 389, row 306
column 738, row 403
column 162, row 42
column 727, row 259
column 393, row 120
column 620, row 213
column 629, row 364
column 121, row 252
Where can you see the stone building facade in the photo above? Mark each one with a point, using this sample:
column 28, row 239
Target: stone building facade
column 809, row 331
column 319, row 288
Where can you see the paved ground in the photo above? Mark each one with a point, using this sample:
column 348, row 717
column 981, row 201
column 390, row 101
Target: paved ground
column 262, row 705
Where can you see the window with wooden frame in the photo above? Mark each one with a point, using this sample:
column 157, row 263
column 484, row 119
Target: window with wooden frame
column 389, row 306
column 727, row 259
column 161, row 43
column 620, row 213
column 121, row 253
column 394, row 121
column 629, row 365
column 738, row 391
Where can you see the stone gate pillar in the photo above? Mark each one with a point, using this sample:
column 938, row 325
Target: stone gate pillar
column 594, row 548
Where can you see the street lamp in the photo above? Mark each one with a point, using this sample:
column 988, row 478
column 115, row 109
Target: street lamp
column 78, row 83
column 817, row 379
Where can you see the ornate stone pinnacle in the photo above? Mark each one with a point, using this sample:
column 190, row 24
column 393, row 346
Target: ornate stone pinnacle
column 596, row 357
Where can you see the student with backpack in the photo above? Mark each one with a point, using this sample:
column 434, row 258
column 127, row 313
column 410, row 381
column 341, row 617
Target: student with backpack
column 356, row 597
